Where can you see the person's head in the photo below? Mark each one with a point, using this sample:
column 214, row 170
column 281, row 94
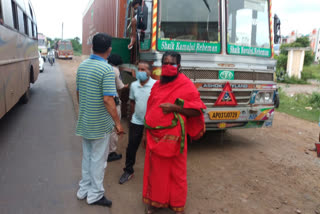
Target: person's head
column 135, row 4
column 144, row 72
column 115, row 60
column 170, row 66
column 101, row 45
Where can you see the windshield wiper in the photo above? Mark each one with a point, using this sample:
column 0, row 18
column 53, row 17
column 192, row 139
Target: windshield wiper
column 206, row 3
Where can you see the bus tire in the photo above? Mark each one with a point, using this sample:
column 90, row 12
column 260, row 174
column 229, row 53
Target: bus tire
column 25, row 97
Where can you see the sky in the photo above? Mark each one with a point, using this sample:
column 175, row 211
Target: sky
column 295, row 15
column 51, row 13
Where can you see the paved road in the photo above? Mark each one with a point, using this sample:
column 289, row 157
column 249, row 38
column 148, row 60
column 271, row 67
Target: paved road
column 40, row 157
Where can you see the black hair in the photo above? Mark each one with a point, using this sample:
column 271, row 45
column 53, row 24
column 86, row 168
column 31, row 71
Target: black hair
column 148, row 64
column 172, row 54
column 135, row 2
column 115, row 59
column 101, row 42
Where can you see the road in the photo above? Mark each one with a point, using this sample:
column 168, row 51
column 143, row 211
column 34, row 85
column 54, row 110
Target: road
column 40, row 157
column 245, row 171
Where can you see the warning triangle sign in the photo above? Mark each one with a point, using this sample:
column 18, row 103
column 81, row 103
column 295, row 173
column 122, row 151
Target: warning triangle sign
column 226, row 98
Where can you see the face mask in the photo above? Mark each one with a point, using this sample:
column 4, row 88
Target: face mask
column 169, row 70
column 135, row 11
column 142, row 76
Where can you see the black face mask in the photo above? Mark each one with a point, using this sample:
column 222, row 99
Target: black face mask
column 135, row 11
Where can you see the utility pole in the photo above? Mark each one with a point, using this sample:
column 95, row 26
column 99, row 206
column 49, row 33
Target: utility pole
column 62, row 32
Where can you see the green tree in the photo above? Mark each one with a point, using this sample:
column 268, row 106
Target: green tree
column 301, row 42
column 77, row 46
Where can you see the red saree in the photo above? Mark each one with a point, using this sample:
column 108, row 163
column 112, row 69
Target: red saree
column 165, row 170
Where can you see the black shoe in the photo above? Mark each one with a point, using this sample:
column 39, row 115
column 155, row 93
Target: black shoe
column 103, row 202
column 126, row 176
column 114, row 156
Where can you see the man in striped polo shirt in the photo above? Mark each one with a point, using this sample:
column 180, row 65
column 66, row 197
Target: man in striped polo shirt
column 97, row 117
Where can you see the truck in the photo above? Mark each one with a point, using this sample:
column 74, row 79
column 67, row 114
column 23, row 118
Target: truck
column 63, row 49
column 226, row 48
column 43, row 45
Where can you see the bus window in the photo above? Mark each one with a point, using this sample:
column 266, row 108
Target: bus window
column 1, row 16
column 30, row 28
column 21, row 21
column 30, row 11
column 25, row 22
column 33, row 30
column 15, row 15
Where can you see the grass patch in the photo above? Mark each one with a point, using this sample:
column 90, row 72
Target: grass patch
column 77, row 53
column 311, row 72
column 296, row 106
column 293, row 80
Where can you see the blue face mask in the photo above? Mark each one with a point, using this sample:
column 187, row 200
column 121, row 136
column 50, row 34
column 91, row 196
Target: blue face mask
column 142, row 76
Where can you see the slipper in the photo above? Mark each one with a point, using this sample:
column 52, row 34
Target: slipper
column 150, row 210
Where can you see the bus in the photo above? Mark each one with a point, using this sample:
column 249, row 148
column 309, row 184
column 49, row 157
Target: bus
column 64, row 49
column 19, row 58
column 43, row 45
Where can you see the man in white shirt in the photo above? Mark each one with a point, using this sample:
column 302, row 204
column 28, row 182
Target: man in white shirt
column 139, row 95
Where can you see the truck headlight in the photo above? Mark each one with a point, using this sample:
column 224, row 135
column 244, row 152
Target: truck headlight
column 264, row 98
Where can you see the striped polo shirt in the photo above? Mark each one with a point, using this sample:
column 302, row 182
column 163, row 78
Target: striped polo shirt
column 95, row 79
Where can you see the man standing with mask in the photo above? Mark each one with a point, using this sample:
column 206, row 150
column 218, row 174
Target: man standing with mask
column 139, row 94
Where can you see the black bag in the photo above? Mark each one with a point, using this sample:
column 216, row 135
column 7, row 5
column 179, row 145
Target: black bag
column 142, row 18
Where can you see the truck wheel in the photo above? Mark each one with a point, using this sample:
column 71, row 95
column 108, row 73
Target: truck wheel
column 277, row 100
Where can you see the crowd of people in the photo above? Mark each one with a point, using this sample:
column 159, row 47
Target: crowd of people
column 164, row 114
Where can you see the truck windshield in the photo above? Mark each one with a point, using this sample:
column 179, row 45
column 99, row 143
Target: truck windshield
column 248, row 28
column 65, row 46
column 189, row 26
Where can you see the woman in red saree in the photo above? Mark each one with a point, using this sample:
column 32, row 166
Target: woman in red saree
column 174, row 110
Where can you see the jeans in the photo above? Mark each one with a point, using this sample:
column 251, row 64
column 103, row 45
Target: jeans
column 135, row 137
column 93, row 162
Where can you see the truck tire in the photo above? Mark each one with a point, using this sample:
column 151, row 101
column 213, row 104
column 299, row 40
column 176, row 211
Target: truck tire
column 276, row 100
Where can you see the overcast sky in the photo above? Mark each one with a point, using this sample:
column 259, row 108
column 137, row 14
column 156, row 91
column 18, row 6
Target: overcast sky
column 300, row 15
column 51, row 13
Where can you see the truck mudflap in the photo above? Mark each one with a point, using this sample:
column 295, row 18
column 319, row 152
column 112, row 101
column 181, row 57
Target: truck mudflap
column 227, row 118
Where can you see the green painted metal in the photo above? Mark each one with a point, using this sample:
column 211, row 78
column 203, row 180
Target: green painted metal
column 120, row 47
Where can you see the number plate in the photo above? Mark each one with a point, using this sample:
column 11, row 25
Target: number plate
column 224, row 115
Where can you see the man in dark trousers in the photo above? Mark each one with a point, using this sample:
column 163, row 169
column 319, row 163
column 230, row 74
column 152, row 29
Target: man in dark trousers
column 139, row 94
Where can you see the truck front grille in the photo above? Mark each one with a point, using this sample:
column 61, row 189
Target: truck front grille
column 210, row 97
column 195, row 74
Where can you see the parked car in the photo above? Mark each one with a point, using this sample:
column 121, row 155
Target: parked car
column 41, row 63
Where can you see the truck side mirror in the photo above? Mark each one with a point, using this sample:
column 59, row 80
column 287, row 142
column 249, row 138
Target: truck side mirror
column 277, row 29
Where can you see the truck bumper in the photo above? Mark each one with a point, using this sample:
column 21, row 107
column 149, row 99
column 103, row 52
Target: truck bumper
column 242, row 117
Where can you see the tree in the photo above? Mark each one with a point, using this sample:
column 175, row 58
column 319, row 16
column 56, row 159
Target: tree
column 301, row 42
column 77, row 46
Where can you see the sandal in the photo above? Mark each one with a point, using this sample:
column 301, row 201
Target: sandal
column 150, row 209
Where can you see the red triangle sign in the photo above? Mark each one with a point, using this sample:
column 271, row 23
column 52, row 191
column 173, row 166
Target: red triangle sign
column 226, row 98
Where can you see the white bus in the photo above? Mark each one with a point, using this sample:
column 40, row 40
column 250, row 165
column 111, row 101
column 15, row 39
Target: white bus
column 43, row 45
column 19, row 59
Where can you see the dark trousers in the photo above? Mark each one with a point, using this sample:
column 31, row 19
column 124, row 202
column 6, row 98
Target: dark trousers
column 135, row 136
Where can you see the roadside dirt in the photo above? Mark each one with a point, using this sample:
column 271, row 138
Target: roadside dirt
column 293, row 89
column 267, row 170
